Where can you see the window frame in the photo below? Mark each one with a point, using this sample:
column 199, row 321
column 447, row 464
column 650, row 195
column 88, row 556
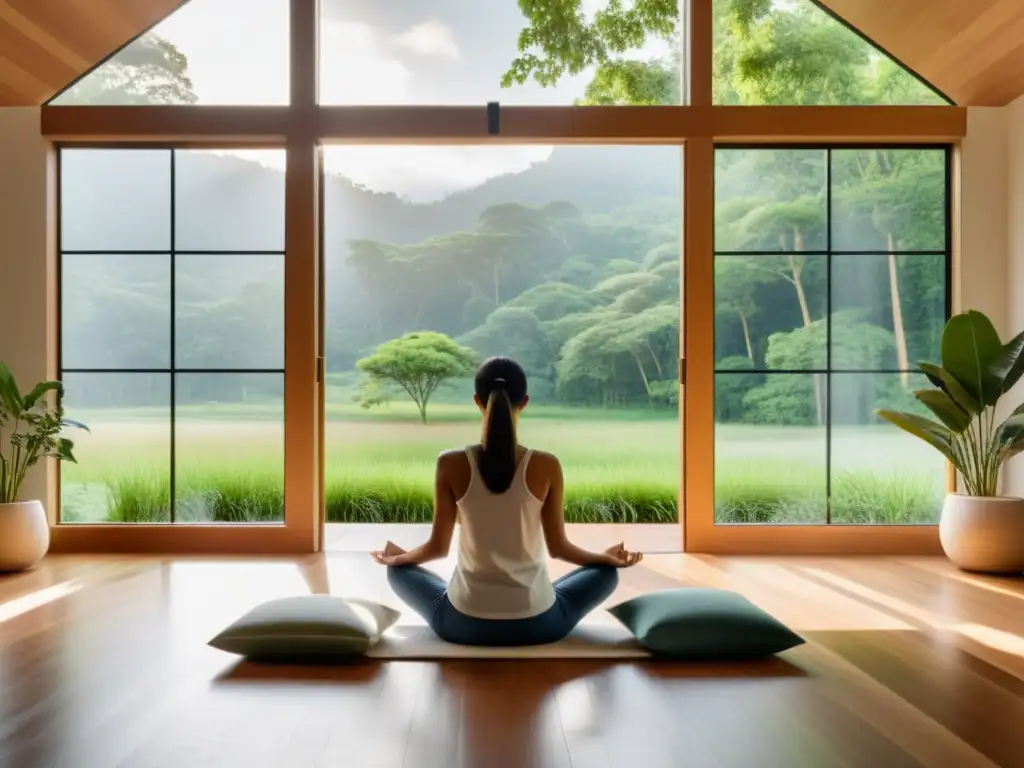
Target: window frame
column 173, row 370
column 829, row 253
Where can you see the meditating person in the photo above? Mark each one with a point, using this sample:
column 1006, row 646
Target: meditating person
column 508, row 502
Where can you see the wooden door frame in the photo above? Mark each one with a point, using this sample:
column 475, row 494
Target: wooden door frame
column 303, row 125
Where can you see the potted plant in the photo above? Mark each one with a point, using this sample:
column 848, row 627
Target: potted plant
column 979, row 530
column 30, row 429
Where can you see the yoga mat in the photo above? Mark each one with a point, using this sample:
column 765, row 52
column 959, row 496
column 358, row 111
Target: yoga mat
column 599, row 636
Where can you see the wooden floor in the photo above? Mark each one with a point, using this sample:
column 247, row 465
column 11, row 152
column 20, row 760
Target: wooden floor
column 103, row 663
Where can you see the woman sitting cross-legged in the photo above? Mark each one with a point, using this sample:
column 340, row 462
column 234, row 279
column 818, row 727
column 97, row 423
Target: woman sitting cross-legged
column 508, row 501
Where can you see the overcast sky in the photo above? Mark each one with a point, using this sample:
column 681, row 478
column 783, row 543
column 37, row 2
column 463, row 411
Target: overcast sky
column 377, row 52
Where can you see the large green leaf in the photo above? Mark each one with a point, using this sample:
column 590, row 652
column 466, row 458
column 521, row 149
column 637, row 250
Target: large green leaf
column 944, row 381
column 971, row 353
column 10, row 398
column 1011, row 434
column 1010, row 365
column 942, row 405
column 41, row 389
column 932, row 433
column 1012, row 449
column 1012, row 430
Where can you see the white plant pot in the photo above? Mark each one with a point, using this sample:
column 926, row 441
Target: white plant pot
column 984, row 534
column 24, row 535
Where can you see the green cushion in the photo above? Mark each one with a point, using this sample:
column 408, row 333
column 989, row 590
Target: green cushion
column 315, row 627
column 693, row 623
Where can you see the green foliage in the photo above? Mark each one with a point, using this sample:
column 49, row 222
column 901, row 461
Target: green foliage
column 419, row 363
column 31, row 427
column 764, row 53
column 149, row 70
column 977, row 370
column 372, row 392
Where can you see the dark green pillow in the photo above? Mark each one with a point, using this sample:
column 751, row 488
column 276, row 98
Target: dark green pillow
column 307, row 627
column 694, row 623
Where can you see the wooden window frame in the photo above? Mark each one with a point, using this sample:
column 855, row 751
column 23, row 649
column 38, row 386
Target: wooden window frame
column 303, row 126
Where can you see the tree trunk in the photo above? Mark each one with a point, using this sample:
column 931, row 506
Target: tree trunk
column 497, row 284
column 805, row 314
column 643, row 374
column 746, row 336
column 654, row 357
column 801, row 296
column 902, row 359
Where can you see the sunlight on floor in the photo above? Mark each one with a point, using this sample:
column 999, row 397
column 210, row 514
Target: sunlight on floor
column 21, row 605
column 996, row 639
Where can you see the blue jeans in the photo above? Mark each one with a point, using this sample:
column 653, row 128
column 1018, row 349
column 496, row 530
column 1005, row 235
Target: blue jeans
column 576, row 594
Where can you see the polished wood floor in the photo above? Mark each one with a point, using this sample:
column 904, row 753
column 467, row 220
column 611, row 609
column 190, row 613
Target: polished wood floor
column 103, row 663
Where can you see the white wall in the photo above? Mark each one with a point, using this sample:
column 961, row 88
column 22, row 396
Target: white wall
column 26, row 170
column 981, row 266
column 1014, row 288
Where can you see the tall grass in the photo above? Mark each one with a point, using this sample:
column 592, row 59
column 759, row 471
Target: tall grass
column 620, row 466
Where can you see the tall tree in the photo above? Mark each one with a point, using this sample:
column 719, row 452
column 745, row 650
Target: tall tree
column 418, row 363
column 891, row 200
column 765, row 53
column 149, row 70
column 737, row 279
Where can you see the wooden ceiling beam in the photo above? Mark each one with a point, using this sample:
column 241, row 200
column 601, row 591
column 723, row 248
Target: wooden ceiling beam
column 47, row 44
column 518, row 125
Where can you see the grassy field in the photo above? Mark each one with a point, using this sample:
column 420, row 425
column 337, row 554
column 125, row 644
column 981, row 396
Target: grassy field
column 620, row 466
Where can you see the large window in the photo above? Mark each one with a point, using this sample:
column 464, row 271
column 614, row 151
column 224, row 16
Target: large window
column 565, row 258
column 172, row 334
column 831, row 282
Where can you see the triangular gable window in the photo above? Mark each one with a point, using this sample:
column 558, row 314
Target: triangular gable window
column 211, row 52
column 793, row 52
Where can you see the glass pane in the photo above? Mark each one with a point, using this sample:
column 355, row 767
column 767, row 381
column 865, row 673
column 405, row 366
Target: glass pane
column 770, row 200
column 889, row 200
column 230, row 311
column 794, row 53
column 880, row 474
column 211, row 52
column 115, row 311
column 229, row 448
column 565, row 258
column 460, row 52
column 888, row 311
column 770, row 312
column 124, row 460
column 770, row 454
column 229, row 201
column 115, row 200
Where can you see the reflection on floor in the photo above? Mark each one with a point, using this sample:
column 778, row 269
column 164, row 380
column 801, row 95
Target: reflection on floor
column 651, row 538
column 103, row 663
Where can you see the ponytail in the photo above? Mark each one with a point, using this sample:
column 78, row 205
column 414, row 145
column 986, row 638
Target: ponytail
column 498, row 455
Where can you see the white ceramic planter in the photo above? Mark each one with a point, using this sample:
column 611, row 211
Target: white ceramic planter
column 24, row 535
column 983, row 534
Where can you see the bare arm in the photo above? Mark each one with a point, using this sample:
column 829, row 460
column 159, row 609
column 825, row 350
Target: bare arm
column 553, row 520
column 440, row 541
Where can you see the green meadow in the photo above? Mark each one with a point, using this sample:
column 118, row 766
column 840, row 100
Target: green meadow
column 620, row 465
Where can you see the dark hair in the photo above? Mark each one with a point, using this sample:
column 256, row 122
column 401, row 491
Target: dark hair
column 501, row 386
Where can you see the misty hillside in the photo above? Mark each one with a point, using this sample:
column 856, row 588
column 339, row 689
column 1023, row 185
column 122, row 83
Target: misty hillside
column 227, row 203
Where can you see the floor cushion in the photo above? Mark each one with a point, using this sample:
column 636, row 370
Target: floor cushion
column 313, row 627
column 698, row 623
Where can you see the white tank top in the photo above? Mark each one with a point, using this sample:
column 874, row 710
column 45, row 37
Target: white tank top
column 502, row 571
